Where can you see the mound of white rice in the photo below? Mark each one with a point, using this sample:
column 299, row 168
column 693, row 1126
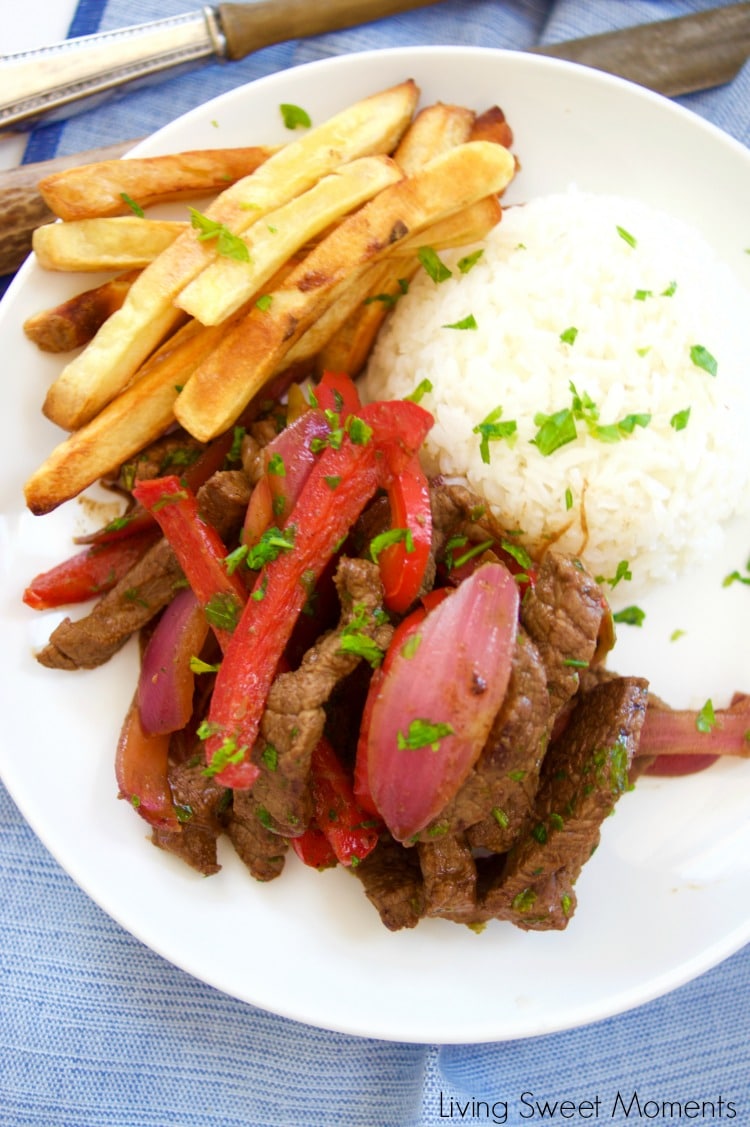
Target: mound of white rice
column 589, row 311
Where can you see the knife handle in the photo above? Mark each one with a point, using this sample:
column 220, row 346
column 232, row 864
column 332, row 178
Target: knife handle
column 249, row 27
column 22, row 209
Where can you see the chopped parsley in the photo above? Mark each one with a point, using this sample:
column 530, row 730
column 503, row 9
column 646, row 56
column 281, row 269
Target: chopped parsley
column 627, row 237
column 680, row 419
column 224, row 755
column 223, row 610
column 227, row 244
column 468, row 261
column 361, row 645
column 705, row 721
column 272, row 543
column 554, row 431
column 622, row 572
column 134, row 207
column 423, row 388
column 384, row 540
column 468, row 322
column 703, row 359
column 197, row 665
column 492, row 430
column 295, row 117
column 264, row 302
column 630, row 616
column 568, row 336
column 434, row 265
column 423, row 733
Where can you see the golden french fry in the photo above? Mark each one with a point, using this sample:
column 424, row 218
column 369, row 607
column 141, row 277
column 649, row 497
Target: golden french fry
column 314, row 342
column 124, row 242
column 492, row 126
column 226, row 284
column 148, row 314
column 105, row 187
column 136, row 417
column 345, row 340
column 74, row 322
column 248, row 355
column 470, row 225
column 435, row 129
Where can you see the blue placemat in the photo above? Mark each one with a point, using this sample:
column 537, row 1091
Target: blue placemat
column 98, row 1031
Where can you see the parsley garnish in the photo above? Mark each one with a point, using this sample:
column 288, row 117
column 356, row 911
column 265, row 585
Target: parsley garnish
column 264, row 302
column 491, row 430
column 223, row 610
column 197, row 665
column 134, row 207
column 554, row 431
column 703, row 359
column 469, row 260
column 568, row 336
column 379, row 543
column 622, row 572
column 465, row 323
column 433, row 265
column 272, row 543
column 630, row 616
column 223, row 756
column 294, row 116
column 227, row 244
column 627, row 237
column 362, row 645
column 423, row 387
column 705, row 721
column 680, row 419
column 423, row 733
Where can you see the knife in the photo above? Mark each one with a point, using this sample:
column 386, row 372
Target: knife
column 51, row 83
column 671, row 56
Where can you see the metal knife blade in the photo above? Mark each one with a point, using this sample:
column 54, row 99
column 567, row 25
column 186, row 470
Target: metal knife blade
column 672, row 57
column 52, row 83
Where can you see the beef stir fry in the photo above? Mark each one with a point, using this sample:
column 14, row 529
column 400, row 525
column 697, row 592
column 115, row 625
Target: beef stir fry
column 346, row 658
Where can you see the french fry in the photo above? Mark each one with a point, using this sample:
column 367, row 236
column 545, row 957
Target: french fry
column 106, row 365
column 125, row 242
column 247, row 356
column 346, row 333
column 105, row 187
column 492, row 126
column 74, row 322
column 136, row 417
column 226, row 284
column 435, row 129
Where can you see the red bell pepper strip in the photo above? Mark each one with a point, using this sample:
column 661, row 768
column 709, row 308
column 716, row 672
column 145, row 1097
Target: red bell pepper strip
column 337, row 392
column 141, row 772
column 349, row 829
column 88, row 573
column 403, row 563
column 314, row 849
column 199, row 549
column 339, row 485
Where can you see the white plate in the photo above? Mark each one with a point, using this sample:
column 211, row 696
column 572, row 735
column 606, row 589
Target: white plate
column 666, row 895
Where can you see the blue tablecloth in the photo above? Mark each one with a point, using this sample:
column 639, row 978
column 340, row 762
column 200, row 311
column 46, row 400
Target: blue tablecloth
column 98, row 1031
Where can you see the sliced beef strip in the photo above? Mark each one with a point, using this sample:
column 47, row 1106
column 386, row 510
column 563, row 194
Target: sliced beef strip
column 563, row 614
column 201, row 802
column 450, row 878
column 294, row 717
column 392, row 880
column 146, row 589
column 585, row 772
column 262, row 850
column 497, row 795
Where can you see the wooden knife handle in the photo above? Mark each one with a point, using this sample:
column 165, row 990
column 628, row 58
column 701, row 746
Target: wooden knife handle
column 22, row 209
column 249, row 27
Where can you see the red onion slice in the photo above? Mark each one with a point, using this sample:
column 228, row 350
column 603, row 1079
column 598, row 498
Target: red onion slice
column 438, row 700
column 165, row 686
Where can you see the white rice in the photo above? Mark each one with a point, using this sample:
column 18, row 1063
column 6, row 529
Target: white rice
column 656, row 498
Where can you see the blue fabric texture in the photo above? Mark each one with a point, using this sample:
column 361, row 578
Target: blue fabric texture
column 98, row 1031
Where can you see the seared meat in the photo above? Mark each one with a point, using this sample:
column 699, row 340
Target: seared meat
column 201, row 804
column 392, row 881
column 450, row 878
column 562, row 614
column 585, row 771
column 263, row 851
column 147, row 588
column 295, row 716
column 90, row 641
